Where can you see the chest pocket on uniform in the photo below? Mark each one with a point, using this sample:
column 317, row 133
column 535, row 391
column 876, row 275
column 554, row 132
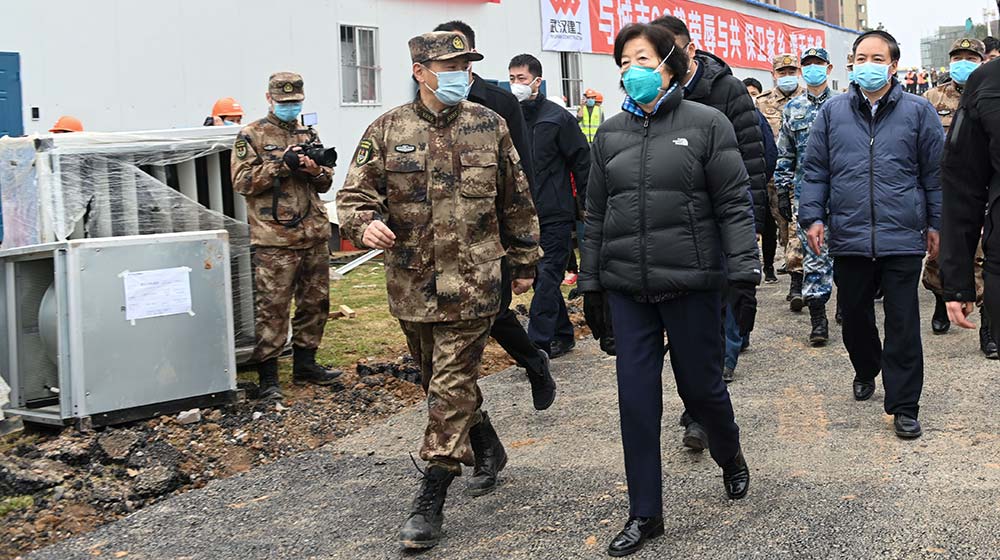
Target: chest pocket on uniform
column 479, row 174
column 406, row 179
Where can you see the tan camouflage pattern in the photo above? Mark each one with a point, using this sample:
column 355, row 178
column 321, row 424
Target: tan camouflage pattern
column 451, row 188
column 785, row 60
column 793, row 250
column 279, row 275
column 968, row 44
column 772, row 202
column 772, row 102
column 450, row 355
column 286, row 87
column 256, row 163
column 441, row 45
column 945, row 98
column 932, row 275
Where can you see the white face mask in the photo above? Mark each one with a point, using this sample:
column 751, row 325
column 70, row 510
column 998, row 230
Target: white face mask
column 522, row 92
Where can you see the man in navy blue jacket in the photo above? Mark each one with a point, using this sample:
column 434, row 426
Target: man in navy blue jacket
column 872, row 180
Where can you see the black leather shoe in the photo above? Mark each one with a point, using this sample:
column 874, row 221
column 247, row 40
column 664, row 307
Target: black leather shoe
column 940, row 322
column 543, row 387
column 769, row 277
column 863, row 390
column 728, row 374
column 745, row 345
column 907, row 427
column 695, row 437
column 986, row 342
column 736, row 477
column 561, row 348
column 635, row 534
column 490, row 458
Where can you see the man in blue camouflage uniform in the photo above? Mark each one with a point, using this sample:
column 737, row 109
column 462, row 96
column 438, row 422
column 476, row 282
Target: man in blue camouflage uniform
column 796, row 122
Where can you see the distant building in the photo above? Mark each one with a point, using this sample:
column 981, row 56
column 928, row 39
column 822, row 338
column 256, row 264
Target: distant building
column 934, row 49
column 852, row 14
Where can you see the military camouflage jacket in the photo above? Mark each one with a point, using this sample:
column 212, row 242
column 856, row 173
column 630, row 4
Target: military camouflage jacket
column 451, row 188
column 771, row 103
column 257, row 168
column 945, row 98
column 796, row 122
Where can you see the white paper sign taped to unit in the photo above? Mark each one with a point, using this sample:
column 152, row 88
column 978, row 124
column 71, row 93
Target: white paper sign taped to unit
column 157, row 293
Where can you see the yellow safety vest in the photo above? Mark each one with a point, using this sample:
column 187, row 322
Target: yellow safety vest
column 591, row 121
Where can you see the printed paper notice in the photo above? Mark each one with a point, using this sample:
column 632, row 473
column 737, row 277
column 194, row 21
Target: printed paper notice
column 157, row 293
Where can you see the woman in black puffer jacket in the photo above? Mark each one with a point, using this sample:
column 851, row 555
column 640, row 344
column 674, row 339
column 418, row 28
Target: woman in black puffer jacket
column 669, row 227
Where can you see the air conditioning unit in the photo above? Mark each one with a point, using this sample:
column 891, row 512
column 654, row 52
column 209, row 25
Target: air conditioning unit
column 109, row 330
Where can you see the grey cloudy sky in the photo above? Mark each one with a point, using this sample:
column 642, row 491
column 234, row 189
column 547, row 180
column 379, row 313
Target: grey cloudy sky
column 909, row 20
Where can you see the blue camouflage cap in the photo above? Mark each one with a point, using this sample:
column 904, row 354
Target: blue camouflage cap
column 815, row 52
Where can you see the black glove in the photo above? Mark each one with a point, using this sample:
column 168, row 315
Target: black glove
column 593, row 312
column 785, row 207
column 743, row 302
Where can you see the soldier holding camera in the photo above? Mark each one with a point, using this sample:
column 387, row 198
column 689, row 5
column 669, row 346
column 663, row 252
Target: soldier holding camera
column 288, row 232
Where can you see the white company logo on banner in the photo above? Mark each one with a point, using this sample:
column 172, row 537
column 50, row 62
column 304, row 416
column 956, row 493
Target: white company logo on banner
column 565, row 25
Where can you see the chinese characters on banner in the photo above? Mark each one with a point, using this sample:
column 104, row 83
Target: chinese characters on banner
column 741, row 40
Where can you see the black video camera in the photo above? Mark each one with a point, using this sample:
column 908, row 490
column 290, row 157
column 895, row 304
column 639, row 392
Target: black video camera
column 326, row 157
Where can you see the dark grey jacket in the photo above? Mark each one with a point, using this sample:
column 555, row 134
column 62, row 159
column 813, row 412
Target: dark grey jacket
column 668, row 206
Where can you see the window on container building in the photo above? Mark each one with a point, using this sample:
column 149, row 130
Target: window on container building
column 572, row 82
column 359, row 67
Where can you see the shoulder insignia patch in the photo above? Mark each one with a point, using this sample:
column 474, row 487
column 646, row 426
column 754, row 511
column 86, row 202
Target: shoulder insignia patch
column 240, row 147
column 364, row 154
column 406, row 148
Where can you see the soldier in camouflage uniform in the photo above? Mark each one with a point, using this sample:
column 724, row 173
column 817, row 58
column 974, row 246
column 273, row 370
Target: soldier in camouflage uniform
column 966, row 52
column 438, row 185
column 289, row 230
column 771, row 103
column 797, row 120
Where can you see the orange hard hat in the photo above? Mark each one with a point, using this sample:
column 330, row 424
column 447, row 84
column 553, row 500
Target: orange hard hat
column 227, row 107
column 67, row 123
column 600, row 98
column 590, row 93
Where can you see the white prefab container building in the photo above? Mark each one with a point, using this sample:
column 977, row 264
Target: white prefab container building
column 122, row 65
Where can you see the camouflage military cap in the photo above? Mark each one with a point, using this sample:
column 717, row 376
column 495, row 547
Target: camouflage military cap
column 786, row 60
column 286, row 86
column 441, row 45
column 816, row 52
column 971, row 45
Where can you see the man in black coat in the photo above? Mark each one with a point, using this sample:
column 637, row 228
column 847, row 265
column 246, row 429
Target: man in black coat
column 507, row 329
column 970, row 181
column 558, row 148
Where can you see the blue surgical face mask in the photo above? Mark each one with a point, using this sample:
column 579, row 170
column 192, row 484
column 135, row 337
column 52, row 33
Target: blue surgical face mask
column 850, row 77
column 642, row 83
column 287, row 112
column 871, row 76
column 960, row 70
column 230, row 123
column 814, row 74
column 591, row 102
column 788, row 84
column 453, row 87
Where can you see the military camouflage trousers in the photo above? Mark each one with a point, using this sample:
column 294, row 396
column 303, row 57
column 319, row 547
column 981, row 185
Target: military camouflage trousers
column 450, row 356
column 793, row 250
column 772, row 203
column 932, row 275
column 280, row 274
column 817, row 270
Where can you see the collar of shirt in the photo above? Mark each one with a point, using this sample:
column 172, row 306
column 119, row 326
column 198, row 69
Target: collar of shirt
column 632, row 107
column 820, row 97
column 693, row 82
column 437, row 120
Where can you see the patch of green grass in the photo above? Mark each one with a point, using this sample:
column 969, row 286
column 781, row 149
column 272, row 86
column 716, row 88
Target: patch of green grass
column 15, row 503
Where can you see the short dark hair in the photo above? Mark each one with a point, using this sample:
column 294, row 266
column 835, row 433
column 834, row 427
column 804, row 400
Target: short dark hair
column 534, row 66
column 885, row 36
column 663, row 41
column 992, row 44
column 753, row 82
column 460, row 27
column 675, row 26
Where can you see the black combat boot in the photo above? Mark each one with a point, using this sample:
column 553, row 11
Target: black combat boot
column 306, row 370
column 543, row 387
column 422, row 529
column 940, row 322
column 490, row 458
column 268, row 380
column 820, row 326
column 986, row 341
column 736, row 477
column 796, row 302
column 769, row 277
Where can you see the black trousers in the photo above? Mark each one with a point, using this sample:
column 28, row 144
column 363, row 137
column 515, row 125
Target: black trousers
column 769, row 239
column 991, row 301
column 901, row 360
column 509, row 333
column 693, row 323
column 549, row 320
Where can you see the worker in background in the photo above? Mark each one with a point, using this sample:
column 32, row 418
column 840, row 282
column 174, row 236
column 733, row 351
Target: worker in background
column 65, row 124
column 289, row 230
column 437, row 184
column 226, row 112
column 590, row 114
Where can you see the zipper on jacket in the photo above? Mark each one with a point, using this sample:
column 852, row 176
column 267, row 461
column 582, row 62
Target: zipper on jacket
column 871, row 184
column 642, row 208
